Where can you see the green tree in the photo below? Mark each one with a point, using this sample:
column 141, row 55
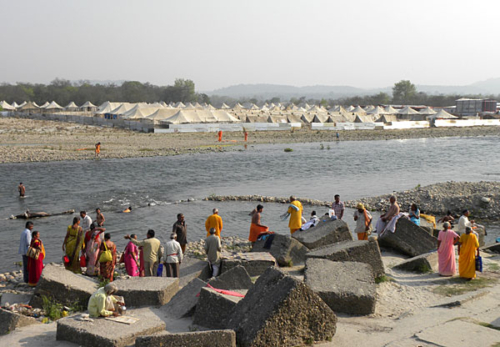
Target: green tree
column 403, row 92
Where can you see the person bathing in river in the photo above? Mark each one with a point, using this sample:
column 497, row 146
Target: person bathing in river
column 386, row 217
column 128, row 210
column 22, row 190
column 99, row 217
column 256, row 227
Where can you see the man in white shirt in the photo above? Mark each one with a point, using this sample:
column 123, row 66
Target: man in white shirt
column 86, row 221
column 23, row 248
column 464, row 222
column 173, row 256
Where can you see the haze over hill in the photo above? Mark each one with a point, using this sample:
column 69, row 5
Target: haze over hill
column 266, row 91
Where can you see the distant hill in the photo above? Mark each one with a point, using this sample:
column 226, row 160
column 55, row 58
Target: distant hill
column 285, row 92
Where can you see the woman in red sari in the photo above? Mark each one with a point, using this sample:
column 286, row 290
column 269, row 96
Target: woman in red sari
column 35, row 266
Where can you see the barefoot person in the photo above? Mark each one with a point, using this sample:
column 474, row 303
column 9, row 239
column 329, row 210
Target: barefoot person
column 24, row 244
column 446, row 250
column 131, row 257
column 151, row 251
column 295, row 212
column 35, row 263
column 338, row 206
column 73, row 243
column 173, row 256
column 386, row 217
column 213, row 250
column 214, row 221
column 468, row 247
column 107, row 258
column 99, row 217
column 180, row 229
column 97, row 149
column 102, row 303
column 256, row 227
column 22, row 190
column 363, row 220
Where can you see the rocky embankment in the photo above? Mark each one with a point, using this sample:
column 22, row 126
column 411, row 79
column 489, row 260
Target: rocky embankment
column 481, row 198
column 261, row 198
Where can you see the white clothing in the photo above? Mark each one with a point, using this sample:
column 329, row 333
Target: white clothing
column 215, row 270
column 173, row 252
column 86, row 223
column 25, row 241
column 463, row 222
column 360, row 222
column 311, row 223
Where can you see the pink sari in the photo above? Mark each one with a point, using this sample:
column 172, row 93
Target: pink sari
column 130, row 257
column 446, row 253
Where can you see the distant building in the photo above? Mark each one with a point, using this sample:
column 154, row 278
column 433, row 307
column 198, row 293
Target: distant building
column 475, row 107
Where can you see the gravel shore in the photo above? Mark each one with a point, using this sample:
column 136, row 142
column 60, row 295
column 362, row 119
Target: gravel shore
column 27, row 140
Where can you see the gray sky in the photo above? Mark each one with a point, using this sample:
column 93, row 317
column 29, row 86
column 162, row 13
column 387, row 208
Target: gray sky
column 217, row 43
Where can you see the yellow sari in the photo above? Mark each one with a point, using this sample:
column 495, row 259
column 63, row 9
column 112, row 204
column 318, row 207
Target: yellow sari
column 295, row 210
column 74, row 245
column 467, row 256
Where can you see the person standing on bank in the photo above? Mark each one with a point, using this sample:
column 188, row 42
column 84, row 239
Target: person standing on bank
column 214, row 221
column 180, row 229
column 86, row 221
column 363, row 220
column 213, row 250
column 338, row 206
column 24, row 244
column 173, row 256
column 151, row 250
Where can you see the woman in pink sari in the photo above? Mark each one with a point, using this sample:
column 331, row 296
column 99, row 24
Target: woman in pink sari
column 92, row 249
column 446, row 250
column 131, row 258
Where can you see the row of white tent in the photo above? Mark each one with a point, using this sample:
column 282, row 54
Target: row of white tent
column 30, row 105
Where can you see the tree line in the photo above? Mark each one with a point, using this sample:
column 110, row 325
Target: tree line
column 64, row 91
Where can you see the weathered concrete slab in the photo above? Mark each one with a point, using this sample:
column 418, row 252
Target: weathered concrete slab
column 324, row 233
column 357, row 251
column 214, row 308
column 280, row 310
column 492, row 248
column 193, row 268
column 147, row 291
column 236, row 278
column 346, row 287
column 63, row 286
column 408, row 239
column 11, row 298
column 183, row 303
column 427, row 262
column 285, row 249
column 211, row 338
column 103, row 333
column 254, row 262
column 9, row 321
column 459, row 333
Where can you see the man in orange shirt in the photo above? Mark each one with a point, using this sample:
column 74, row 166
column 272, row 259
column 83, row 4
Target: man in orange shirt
column 97, row 149
column 214, row 221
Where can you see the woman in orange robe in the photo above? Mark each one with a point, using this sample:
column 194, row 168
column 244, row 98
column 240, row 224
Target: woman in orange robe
column 468, row 246
column 256, row 228
column 35, row 266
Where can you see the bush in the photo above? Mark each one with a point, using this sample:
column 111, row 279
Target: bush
column 288, row 150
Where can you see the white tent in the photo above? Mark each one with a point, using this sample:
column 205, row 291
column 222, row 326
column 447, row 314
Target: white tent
column 407, row 110
column 45, row 104
column 163, row 113
column 179, row 105
column 359, row 110
column 71, row 107
column 427, row 111
column 88, row 106
column 107, row 107
column 139, row 112
column 224, row 106
column 376, row 111
column 26, row 106
column 15, row 105
column 123, row 108
column 390, row 110
column 442, row 114
column 6, row 106
column 53, row 106
column 200, row 116
column 369, row 108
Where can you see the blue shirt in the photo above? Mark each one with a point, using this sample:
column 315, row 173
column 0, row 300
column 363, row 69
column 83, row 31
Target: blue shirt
column 25, row 241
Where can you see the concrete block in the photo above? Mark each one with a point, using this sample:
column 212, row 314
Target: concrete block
column 324, row 233
column 11, row 298
column 284, row 249
column 211, row 338
column 236, row 278
column 193, row 268
column 280, row 310
column 357, row 251
column 492, row 248
column 147, row 291
column 254, row 262
column 346, row 287
column 103, row 333
column 408, row 239
column 9, row 321
column 183, row 303
column 63, row 286
column 214, row 308
column 427, row 262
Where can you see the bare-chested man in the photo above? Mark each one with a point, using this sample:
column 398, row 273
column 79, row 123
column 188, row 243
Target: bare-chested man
column 256, row 228
column 99, row 217
column 21, row 189
column 388, row 216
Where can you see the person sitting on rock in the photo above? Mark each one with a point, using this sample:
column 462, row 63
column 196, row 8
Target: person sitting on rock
column 103, row 304
column 464, row 222
column 386, row 217
column 448, row 218
column 311, row 223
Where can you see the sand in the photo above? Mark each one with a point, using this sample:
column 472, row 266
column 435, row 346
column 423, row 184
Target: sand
column 27, row 140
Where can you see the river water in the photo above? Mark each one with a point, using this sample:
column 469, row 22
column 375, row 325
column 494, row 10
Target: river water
column 351, row 169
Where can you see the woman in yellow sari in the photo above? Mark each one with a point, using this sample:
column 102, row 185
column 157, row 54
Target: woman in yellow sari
column 467, row 247
column 73, row 244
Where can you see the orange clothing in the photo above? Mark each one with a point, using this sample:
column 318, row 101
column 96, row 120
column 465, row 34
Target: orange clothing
column 97, row 149
column 362, row 236
column 220, row 136
column 214, row 221
column 255, row 230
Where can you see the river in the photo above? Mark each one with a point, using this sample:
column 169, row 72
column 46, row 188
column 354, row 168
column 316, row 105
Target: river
column 352, row 169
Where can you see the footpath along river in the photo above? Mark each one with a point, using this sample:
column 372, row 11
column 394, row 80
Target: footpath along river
column 352, row 169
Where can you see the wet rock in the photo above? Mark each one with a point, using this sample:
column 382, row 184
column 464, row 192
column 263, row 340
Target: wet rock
column 408, row 239
column 354, row 251
column 423, row 263
column 214, row 308
column 284, row 249
column 280, row 310
column 147, row 291
column 236, row 278
column 346, row 287
column 9, row 321
column 211, row 338
column 183, row 303
column 324, row 233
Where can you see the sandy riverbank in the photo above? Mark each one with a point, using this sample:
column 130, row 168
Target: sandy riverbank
column 26, row 140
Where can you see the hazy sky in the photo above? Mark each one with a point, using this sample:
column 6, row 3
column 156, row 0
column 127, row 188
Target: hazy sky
column 217, row 43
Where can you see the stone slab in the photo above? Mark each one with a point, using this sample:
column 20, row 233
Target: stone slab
column 211, row 338
column 459, row 333
column 324, row 233
column 254, row 262
column 280, row 310
column 285, row 249
column 491, row 248
column 193, row 268
column 357, row 251
column 214, row 308
column 105, row 333
column 346, row 287
column 147, row 291
column 63, row 286
column 11, row 298
column 183, row 303
column 423, row 263
column 408, row 239
column 236, row 278
column 9, row 321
